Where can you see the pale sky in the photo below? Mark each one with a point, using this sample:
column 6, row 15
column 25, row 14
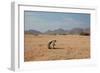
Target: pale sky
column 43, row 21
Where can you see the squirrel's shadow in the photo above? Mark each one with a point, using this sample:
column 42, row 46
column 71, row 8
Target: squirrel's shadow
column 57, row 48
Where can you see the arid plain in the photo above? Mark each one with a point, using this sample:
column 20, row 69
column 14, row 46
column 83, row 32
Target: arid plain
column 67, row 47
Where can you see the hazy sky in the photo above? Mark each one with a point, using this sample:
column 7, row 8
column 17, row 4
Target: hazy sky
column 43, row 21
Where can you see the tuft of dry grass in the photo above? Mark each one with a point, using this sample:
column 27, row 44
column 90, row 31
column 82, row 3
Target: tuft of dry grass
column 67, row 47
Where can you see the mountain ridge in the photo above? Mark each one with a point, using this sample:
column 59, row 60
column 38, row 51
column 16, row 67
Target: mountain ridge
column 60, row 31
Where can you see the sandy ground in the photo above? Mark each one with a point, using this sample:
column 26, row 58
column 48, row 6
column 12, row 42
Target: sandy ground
column 67, row 47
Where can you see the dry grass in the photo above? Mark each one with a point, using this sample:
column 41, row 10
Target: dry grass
column 69, row 47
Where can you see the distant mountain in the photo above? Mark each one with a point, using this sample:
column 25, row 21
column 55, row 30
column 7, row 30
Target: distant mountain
column 76, row 31
column 60, row 31
column 57, row 31
column 32, row 32
column 79, row 31
column 49, row 32
column 86, row 30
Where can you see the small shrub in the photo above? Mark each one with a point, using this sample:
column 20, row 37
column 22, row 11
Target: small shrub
column 85, row 34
